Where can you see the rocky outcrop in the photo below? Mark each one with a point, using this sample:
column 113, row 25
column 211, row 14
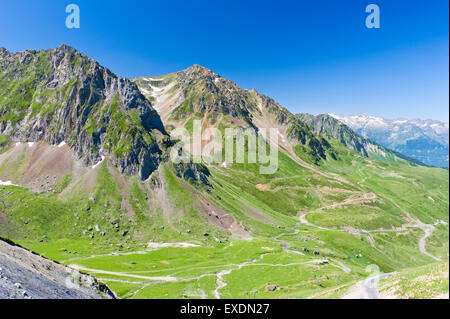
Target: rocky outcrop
column 62, row 95
column 193, row 173
column 25, row 275
column 205, row 92
column 333, row 129
column 205, row 95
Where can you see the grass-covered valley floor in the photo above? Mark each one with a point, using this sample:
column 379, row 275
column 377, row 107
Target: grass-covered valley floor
column 305, row 232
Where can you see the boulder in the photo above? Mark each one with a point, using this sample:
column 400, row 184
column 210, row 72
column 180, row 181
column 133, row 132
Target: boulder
column 270, row 288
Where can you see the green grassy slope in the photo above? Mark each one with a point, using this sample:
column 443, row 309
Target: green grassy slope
column 57, row 226
column 425, row 282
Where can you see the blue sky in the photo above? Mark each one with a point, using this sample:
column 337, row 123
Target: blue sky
column 311, row 56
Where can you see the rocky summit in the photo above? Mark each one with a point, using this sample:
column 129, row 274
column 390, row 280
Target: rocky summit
column 61, row 95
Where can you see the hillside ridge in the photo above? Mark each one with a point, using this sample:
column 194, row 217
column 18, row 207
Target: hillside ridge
column 61, row 95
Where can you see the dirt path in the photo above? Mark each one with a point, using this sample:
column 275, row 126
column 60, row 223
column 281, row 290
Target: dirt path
column 151, row 247
column 220, row 282
column 99, row 271
column 286, row 245
column 367, row 288
column 105, row 255
column 428, row 229
column 342, row 266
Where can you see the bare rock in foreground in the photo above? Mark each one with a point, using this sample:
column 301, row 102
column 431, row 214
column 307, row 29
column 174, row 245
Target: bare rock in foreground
column 25, row 275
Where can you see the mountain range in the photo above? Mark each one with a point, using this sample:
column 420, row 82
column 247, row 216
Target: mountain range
column 424, row 140
column 86, row 179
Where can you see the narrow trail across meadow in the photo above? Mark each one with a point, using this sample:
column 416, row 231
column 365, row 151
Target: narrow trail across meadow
column 364, row 289
column 367, row 288
column 286, row 247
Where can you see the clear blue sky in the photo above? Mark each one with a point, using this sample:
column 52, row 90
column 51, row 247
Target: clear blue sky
column 311, row 56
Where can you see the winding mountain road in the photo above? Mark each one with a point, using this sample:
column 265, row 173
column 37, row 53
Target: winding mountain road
column 286, row 245
column 428, row 229
column 364, row 289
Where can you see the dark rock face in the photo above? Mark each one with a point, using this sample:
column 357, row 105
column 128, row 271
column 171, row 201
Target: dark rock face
column 193, row 173
column 25, row 275
column 334, row 129
column 62, row 95
column 206, row 92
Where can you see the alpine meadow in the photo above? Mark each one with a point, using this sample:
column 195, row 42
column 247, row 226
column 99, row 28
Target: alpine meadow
column 87, row 180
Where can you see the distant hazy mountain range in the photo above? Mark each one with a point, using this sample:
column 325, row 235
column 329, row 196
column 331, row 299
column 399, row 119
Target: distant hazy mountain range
column 424, row 140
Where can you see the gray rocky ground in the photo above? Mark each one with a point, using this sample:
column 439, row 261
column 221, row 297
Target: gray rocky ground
column 24, row 275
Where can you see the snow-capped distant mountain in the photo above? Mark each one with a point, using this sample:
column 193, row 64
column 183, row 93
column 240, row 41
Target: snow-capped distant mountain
column 424, row 140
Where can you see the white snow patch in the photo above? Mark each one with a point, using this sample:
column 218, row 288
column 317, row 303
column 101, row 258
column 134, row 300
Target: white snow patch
column 145, row 91
column 96, row 165
column 61, row 144
column 337, row 117
column 30, row 144
column 7, row 183
column 156, row 89
column 281, row 135
column 152, row 79
column 260, row 106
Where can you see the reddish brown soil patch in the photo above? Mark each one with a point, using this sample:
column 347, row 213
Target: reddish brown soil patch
column 49, row 160
column 43, row 165
column 47, row 165
column 262, row 187
column 256, row 214
column 124, row 192
column 220, row 218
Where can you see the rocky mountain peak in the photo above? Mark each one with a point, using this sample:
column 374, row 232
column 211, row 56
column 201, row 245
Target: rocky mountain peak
column 62, row 95
column 4, row 52
column 199, row 68
column 67, row 48
column 196, row 73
